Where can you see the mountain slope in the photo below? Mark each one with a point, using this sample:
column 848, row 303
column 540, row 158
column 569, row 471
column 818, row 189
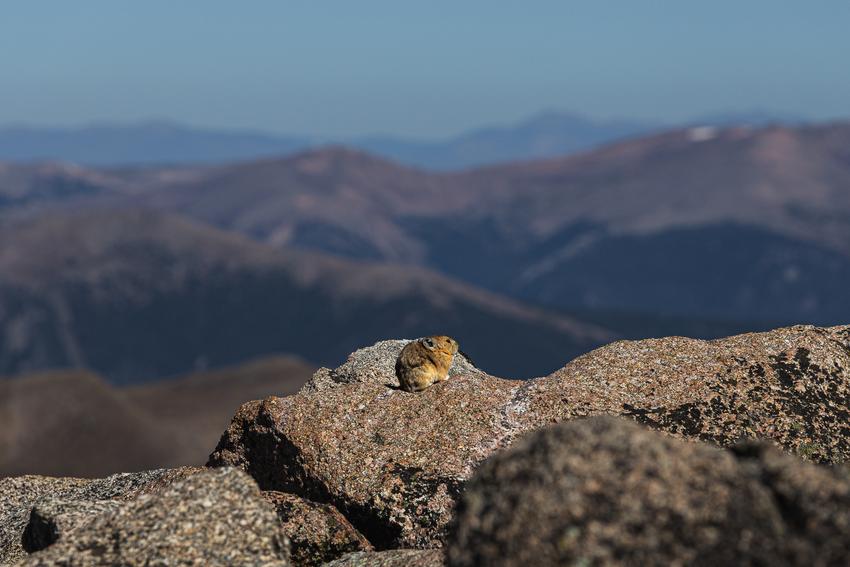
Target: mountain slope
column 137, row 294
column 335, row 200
column 31, row 185
column 561, row 232
column 789, row 180
column 793, row 181
column 744, row 223
column 76, row 424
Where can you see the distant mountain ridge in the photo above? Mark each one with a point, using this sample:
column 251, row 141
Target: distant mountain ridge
column 547, row 134
column 154, row 142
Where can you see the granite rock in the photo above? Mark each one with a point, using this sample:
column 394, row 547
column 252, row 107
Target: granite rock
column 391, row 558
column 394, row 462
column 790, row 385
column 317, row 532
column 209, row 518
column 606, row 491
column 18, row 496
column 51, row 520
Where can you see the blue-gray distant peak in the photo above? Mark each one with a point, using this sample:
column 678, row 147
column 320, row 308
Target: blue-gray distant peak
column 157, row 142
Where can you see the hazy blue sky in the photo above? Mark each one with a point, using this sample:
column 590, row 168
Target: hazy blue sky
column 427, row 68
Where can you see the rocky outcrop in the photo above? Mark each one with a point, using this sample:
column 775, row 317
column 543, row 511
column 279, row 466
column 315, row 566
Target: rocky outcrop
column 604, row 491
column 209, row 518
column 317, row 532
column 394, row 462
column 353, row 464
column 391, row 461
column 392, row 558
column 791, row 386
column 55, row 497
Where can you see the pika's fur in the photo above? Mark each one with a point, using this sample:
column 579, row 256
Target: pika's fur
column 424, row 362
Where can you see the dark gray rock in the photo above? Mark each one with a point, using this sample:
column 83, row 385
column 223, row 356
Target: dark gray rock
column 605, row 491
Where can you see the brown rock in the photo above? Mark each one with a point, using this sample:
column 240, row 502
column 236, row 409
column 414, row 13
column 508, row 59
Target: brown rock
column 605, row 491
column 392, row 558
column 379, row 454
column 789, row 385
column 18, row 495
column 317, row 532
column 394, row 462
column 210, row 518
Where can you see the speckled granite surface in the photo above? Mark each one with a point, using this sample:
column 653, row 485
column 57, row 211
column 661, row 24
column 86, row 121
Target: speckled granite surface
column 394, row 462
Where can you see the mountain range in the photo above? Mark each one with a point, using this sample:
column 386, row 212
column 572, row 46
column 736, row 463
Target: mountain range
column 160, row 142
column 143, row 272
column 736, row 222
column 139, row 294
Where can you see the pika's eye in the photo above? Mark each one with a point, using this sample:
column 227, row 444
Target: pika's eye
column 428, row 342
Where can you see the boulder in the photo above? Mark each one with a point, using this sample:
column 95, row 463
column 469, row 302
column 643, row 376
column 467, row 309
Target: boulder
column 606, row 491
column 395, row 462
column 392, row 558
column 317, row 532
column 18, row 496
column 51, row 520
column 209, row 518
column 789, row 385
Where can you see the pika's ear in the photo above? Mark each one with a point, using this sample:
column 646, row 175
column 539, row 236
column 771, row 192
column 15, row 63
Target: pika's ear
column 428, row 342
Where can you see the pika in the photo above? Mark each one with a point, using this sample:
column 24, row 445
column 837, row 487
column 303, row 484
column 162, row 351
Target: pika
column 424, row 362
